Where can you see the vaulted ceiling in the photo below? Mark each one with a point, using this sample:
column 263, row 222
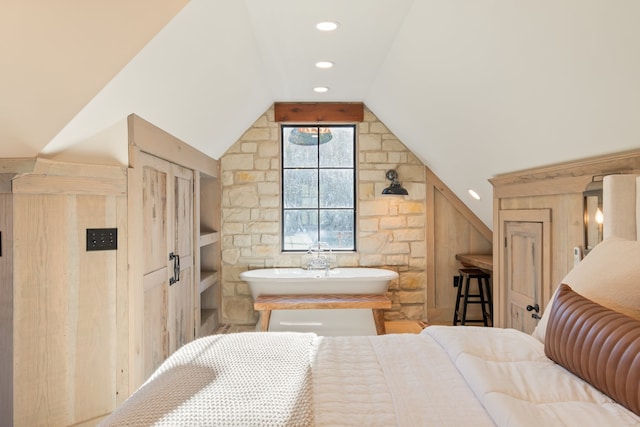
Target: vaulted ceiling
column 474, row 88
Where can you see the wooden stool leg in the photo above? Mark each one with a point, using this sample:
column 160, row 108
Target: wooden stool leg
column 489, row 298
column 483, row 302
column 456, row 310
column 264, row 321
column 378, row 318
column 464, row 302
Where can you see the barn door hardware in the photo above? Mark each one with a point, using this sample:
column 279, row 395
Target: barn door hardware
column 176, row 268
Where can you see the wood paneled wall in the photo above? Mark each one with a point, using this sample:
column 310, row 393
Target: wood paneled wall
column 6, row 298
column 453, row 229
column 559, row 188
column 70, row 320
column 68, row 359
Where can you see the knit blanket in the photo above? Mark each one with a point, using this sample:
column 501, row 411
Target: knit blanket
column 247, row 379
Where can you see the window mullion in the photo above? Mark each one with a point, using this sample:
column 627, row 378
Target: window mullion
column 318, row 184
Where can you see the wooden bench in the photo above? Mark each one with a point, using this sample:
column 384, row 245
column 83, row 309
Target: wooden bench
column 266, row 303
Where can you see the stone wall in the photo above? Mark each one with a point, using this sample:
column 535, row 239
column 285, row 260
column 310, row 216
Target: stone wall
column 391, row 230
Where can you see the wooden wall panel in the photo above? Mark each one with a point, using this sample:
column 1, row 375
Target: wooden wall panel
column 93, row 296
column 41, row 314
column 558, row 188
column 71, row 319
column 454, row 232
column 147, row 138
column 122, row 302
column 566, row 227
column 6, row 306
column 65, row 310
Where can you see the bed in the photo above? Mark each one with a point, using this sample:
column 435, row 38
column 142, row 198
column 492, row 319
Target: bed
column 581, row 366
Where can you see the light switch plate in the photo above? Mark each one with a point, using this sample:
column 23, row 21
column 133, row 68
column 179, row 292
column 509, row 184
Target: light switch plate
column 102, row 239
column 577, row 255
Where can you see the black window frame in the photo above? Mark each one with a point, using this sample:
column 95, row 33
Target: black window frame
column 318, row 209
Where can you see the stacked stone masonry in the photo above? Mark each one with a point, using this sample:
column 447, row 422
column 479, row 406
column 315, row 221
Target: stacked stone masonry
column 391, row 230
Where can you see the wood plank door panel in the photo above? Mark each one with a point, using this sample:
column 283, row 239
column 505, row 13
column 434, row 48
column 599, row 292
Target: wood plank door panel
column 167, row 222
column 155, row 337
column 524, row 272
column 156, row 181
column 182, row 302
column 155, row 177
column 525, row 254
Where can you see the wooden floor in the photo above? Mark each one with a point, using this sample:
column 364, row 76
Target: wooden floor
column 394, row 327
column 404, row 327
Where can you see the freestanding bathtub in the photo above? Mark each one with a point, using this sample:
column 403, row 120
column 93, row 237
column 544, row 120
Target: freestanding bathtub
column 298, row 281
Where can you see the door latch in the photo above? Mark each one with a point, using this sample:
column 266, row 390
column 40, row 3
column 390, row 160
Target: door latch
column 535, row 308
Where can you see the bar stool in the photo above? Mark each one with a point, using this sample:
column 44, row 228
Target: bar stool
column 483, row 297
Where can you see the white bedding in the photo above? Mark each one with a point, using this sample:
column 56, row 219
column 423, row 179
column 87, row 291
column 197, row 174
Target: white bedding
column 227, row 380
column 403, row 380
column 518, row 385
column 445, row 376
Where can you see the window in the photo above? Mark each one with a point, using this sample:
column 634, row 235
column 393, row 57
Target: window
column 318, row 187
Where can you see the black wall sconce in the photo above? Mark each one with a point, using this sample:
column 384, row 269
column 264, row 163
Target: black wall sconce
column 395, row 188
column 593, row 214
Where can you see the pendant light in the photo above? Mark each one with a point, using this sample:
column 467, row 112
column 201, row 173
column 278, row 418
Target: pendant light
column 310, row 136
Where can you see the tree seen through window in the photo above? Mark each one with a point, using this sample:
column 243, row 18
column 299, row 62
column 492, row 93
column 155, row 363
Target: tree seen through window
column 318, row 186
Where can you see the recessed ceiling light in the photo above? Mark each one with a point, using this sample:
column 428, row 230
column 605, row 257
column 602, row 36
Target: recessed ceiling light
column 321, row 89
column 327, row 26
column 474, row 194
column 324, row 64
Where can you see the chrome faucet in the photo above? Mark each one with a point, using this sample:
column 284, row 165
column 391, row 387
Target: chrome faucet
column 319, row 262
column 316, row 259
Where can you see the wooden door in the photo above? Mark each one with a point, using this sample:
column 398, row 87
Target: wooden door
column 523, row 272
column 156, row 181
column 525, row 257
column 181, row 293
column 167, row 222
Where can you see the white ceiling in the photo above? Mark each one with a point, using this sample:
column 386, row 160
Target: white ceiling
column 474, row 88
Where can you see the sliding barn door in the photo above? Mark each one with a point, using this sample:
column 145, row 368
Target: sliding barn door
column 167, row 300
column 525, row 266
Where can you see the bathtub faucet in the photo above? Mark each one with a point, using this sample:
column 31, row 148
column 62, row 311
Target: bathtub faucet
column 316, row 258
column 319, row 263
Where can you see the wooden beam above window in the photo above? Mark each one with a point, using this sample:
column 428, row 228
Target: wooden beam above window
column 312, row 112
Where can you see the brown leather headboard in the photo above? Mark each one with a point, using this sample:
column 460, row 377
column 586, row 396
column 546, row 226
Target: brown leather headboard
column 598, row 344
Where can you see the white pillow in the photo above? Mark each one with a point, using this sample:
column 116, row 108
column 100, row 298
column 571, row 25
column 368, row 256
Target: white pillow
column 608, row 275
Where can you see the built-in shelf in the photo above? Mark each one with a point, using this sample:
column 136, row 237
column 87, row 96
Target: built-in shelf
column 208, row 321
column 208, row 221
column 207, row 279
column 208, row 237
